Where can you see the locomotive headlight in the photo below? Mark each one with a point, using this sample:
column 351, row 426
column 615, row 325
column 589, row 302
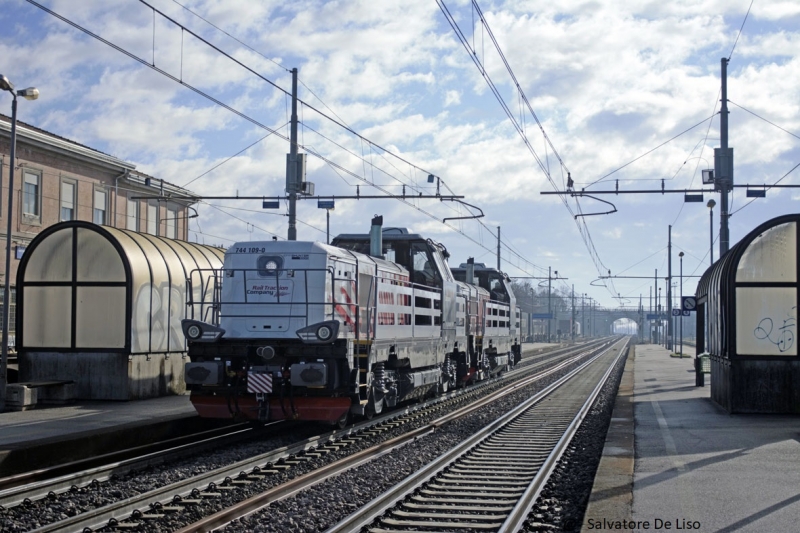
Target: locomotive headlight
column 194, row 331
column 319, row 333
column 324, row 333
column 271, row 265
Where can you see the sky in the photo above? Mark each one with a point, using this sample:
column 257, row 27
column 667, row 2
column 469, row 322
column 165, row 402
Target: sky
column 617, row 93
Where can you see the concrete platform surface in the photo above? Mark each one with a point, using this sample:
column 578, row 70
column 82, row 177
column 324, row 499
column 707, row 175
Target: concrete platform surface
column 58, row 422
column 695, row 467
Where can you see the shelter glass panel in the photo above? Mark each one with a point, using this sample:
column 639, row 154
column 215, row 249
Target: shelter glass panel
column 47, row 317
column 100, row 317
column 152, row 299
column 98, row 260
column 766, row 321
column 171, row 299
column 51, row 260
column 772, row 256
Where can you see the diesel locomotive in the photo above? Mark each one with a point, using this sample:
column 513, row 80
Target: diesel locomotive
column 311, row 331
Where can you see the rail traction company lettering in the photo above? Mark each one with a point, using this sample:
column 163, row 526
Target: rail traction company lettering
column 270, row 290
column 657, row 524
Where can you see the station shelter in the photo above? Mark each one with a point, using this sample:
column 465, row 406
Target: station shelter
column 747, row 321
column 102, row 307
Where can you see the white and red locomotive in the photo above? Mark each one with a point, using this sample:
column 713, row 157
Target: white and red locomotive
column 310, row 331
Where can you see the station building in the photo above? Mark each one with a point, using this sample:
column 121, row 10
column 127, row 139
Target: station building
column 58, row 180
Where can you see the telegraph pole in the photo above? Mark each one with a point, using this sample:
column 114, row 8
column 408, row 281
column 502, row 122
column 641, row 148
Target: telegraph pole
column 292, row 179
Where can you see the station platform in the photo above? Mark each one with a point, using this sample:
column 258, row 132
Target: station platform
column 675, row 461
column 30, row 439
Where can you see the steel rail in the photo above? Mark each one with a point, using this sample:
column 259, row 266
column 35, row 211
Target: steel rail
column 119, row 458
column 40, row 483
column 169, row 493
column 300, row 483
column 28, row 488
column 518, row 515
column 380, row 505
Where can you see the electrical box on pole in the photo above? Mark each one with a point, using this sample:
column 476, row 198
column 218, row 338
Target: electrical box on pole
column 723, row 168
column 295, row 172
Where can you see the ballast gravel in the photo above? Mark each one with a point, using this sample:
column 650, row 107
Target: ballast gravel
column 312, row 510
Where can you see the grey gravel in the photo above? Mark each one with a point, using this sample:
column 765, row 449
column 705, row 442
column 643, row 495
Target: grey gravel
column 312, row 510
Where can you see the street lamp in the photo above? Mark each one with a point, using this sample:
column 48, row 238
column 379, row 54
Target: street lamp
column 711, row 203
column 31, row 93
column 660, row 322
column 681, row 256
column 549, row 299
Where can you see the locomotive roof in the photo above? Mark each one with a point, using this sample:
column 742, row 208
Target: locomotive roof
column 405, row 236
column 477, row 267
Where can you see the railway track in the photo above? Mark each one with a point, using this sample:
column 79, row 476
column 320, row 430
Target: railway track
column 37, row 483
column 179, row 496
column 363, row 517
column 491, row 481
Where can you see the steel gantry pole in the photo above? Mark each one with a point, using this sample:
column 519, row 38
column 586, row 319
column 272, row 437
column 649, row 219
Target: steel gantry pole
column 681, row 256
column 549, row 298
column 583, row 315
column 670, row 329
column 498, row 248
column 724, row 174
column 292, row 179
column 572, row 325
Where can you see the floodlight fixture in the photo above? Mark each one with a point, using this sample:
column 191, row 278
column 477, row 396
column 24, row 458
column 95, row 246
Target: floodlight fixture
column 5, row 84
column 31, row 93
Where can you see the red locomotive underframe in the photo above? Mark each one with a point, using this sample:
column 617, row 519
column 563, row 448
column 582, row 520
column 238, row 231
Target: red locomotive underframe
column 304, row 408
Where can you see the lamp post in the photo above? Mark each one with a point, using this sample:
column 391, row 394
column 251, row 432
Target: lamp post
column 681, row 256
column 660, row 320
column 549, row 300
column 31, row 93
column 711, row 203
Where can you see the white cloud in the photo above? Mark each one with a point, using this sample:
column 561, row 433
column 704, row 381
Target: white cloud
column 452, row 98
column 609, row 82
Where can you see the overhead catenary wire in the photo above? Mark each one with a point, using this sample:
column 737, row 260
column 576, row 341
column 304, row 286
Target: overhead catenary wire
column 582, row 227
column 243, row 115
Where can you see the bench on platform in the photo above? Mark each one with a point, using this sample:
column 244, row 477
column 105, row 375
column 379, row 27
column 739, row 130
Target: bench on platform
column 27, row 395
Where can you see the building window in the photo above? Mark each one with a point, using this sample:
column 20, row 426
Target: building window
column 31, row 191
column 68, row 200
column 152, row 218
column 171, row 222
column 100, row 205
column 132, row 215
column 12, row 314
